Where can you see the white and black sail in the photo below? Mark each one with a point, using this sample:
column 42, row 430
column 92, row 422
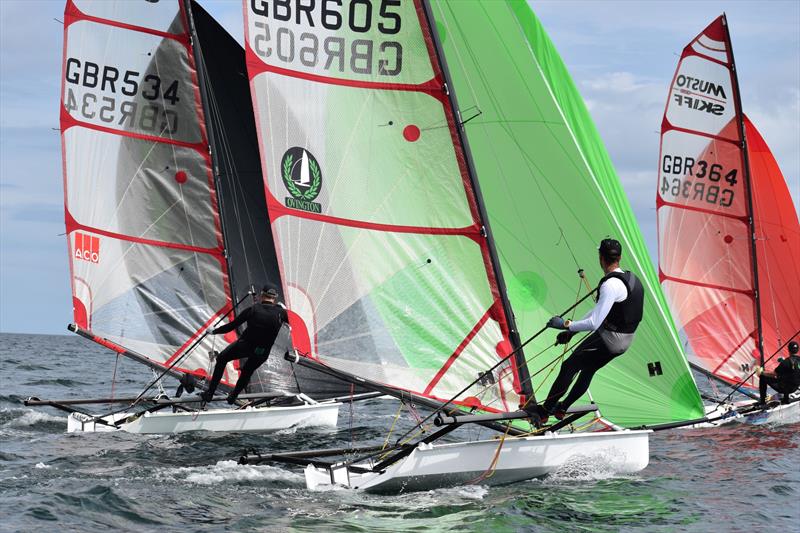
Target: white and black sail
column 165, row 210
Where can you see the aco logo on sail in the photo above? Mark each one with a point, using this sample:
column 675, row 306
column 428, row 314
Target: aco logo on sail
column 302, row 177
column 87, row 248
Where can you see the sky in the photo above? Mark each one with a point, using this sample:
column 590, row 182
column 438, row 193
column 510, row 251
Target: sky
column 622, row 56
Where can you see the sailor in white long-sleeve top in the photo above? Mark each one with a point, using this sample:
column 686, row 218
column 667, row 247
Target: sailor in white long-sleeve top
column 613, row 321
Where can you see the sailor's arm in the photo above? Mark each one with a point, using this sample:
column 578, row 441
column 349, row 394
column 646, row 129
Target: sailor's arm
column 235, row 323
column 611, row 291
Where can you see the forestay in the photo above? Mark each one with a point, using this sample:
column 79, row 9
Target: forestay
column 143, row 224
column 552, row 193
column 705, row 222
column 385, row 263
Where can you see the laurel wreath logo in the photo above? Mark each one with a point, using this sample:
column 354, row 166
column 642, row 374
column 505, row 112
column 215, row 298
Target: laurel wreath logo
column 316, row 181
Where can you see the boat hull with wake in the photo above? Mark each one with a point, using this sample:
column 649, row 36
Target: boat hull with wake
column 491, row 462
column 247, row 420
column 165, row 415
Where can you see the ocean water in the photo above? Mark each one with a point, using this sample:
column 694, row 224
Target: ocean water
column 735, row 478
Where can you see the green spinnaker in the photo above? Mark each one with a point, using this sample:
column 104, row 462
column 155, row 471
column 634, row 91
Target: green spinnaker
column 552, row 194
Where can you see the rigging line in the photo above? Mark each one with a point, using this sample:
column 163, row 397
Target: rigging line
column 352, row 391
column 504, row 124
column 214, row 122
column 503, row 360
column 566, row 345
column 489, row 472
column 189, row 350
column 601, row 192
column 475, row 101
column 743, row 381
column 231, row 170
column 546, row 366
column 114, row 375
column 391, row 429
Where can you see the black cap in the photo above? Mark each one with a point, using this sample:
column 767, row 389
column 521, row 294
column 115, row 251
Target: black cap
column 269, row 291
column 794, row 347
column 610, row 249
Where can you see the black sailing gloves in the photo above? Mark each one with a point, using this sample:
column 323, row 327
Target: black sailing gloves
column 564, row 337
column 556, row 322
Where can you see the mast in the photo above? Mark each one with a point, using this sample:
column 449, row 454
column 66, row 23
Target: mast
column 212, row 143
column 513, row 334
column 762, row 386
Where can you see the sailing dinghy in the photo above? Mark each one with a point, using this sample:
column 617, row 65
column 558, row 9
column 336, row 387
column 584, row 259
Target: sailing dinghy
column 402, row 276
column 729, row 238
column 165, row 213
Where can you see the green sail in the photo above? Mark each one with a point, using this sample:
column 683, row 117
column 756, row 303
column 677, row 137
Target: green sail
column 552, row 193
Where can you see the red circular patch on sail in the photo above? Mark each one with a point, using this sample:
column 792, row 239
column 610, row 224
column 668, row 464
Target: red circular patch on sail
column 230, row 337
column 181, row 177
column 728, row 239
column 503, row 348
column 471, row 401
column 411, row 133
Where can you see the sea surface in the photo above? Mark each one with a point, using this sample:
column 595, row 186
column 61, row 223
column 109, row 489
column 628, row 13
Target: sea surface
column 735, row 478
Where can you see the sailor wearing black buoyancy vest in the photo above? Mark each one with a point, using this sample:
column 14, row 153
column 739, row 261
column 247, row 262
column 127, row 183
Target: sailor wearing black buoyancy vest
column 264, row 321
column 613, row 322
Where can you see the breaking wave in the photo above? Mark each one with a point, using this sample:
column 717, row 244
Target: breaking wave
column 28, row 417
column 229, row 471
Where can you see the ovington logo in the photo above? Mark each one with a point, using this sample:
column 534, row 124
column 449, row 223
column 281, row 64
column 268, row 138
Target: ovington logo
column 302, row 177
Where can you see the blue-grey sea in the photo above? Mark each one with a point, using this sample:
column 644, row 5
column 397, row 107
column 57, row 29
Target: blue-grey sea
column 735, row 478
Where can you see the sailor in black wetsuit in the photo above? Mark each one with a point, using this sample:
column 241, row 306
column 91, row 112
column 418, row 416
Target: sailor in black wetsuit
column 613, row 321
column 786, row 378
column 264, row 321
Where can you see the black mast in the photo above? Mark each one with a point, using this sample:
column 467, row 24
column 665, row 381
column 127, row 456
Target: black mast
column 199, row 65
column 522, row 367
column 762, row 385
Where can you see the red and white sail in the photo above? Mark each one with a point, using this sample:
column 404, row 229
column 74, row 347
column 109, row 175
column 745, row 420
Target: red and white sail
column 386, row 269
column 706, row 261
column 143, row 225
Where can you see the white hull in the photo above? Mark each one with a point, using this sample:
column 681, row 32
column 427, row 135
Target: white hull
column 520, row 458
column 778, row 415
column 248, row 420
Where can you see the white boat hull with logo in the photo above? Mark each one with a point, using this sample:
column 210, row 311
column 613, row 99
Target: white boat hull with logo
column 247, row 420
column 434, row 466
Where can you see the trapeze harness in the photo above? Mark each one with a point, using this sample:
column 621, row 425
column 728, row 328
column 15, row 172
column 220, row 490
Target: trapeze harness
column 610, row 340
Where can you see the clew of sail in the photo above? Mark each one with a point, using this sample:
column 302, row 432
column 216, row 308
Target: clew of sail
column 385, row 262
column 143, row 226
column 552, row 193
column 724, row 298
